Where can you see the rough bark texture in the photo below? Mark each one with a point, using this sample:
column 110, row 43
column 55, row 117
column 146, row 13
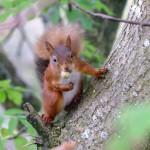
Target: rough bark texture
column 128, row 81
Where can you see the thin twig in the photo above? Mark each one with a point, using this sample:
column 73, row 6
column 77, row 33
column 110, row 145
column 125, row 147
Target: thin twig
column 9, row 35
column 103, row 16
column 19, row 133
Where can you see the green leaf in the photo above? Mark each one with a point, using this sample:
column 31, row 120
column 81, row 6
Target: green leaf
column 86, row 22
column 5, row 83
column 100, row 58
column 23, row 5
column 15, row 97
column 4, row 132
column 6, row 3
column 4, row 16
column 2, row 96
column 12, row 125
column 129, row 129
column 5, row 123
column 119, row 143
column 24, row 122
column 14, row 111
column 12, row 7
column 106, row 9
column 1, row 120
column 85, row 4
column 1, row 144
column 55, row 16
column 19, row 88
column 98, row 5
column 73, row 15
column 64, row 1
column 20, row 142
column 87, row 54
column 31, row 130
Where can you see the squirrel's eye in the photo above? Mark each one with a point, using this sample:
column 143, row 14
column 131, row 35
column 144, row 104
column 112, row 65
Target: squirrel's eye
column 71, row 56
column 54, row 59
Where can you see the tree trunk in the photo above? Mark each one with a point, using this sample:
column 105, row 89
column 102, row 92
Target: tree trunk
column 128, row 81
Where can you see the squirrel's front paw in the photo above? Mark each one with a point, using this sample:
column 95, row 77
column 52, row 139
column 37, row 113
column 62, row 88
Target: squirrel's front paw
column 71, row 86
column 101, row 72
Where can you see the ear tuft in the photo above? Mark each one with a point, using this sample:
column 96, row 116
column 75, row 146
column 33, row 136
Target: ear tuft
column 49, row 47
column 68, row 43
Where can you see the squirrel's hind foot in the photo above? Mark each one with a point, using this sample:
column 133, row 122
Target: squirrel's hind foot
column 46, row 119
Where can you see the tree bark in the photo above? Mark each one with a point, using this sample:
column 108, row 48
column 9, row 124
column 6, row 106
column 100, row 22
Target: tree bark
column 128, row 81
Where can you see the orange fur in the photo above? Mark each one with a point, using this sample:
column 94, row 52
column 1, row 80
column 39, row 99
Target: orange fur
column 82, row 66
column 57, row 35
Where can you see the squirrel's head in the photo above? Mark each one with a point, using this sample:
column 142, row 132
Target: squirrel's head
column 61, row 58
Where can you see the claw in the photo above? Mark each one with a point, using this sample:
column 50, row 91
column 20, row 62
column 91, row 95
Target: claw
column 102, row 76
column 46, row 119
column 102, row 72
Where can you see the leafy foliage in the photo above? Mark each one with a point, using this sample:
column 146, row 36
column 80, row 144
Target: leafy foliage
column 132, row 126
column 72, row 15
column 13, row 119
column 8, row 91
column 91, row 54
column 10, row 123
column 12, row 7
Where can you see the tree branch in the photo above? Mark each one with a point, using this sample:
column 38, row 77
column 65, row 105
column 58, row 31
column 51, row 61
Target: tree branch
column 107, row 17
column 22, row 130
column 48, row 134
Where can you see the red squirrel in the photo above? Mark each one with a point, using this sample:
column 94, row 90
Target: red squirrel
column 60, row 69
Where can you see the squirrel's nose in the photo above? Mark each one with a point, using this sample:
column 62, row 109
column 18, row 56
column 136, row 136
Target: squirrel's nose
column 66, row 68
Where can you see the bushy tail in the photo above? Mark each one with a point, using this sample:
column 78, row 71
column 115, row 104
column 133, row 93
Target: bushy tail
column 57, row 35
column 40, row 67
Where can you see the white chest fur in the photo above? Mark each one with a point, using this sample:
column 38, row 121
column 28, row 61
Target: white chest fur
column 75, row 79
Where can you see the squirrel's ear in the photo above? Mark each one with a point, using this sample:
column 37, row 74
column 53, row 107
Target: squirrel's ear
column 49, row 47
column 68, row 43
